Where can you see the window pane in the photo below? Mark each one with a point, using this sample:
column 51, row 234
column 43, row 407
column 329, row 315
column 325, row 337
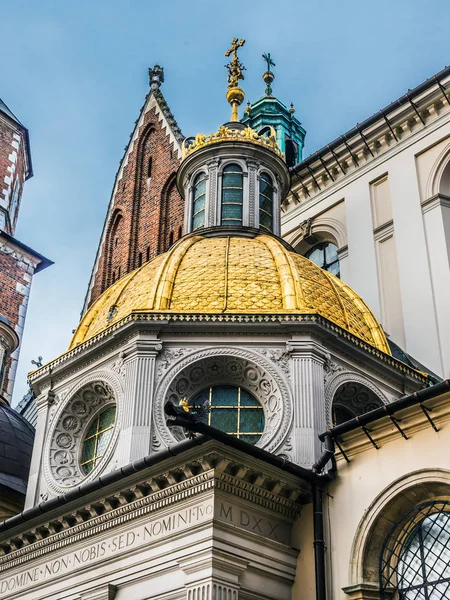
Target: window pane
column 225, row 419
column 232, row 195
column 265, row 220
column 198, row 220
column 225, row 396
column 103, row 442
column 200, row 188
column 251, row 420
column 248, row 400
column 234, row 411
column 97, row 438
column 199, row 204
column 232, row 168
column 316, row 256
column 265, row 204
column 233, row 180
column 232, row 211
column 88, row 450
column 331, row 254
column 335, row 269
column 107, row 417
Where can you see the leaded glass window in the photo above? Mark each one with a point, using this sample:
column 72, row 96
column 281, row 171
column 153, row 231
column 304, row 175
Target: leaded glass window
column 232, row 195
column 326, row 257
column 232, row 410
column 199, row 201
column 97, row 438
column 415, row 561
column 266, row 202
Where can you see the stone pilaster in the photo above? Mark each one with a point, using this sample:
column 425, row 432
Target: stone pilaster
column 212, row 575
column 135, row 436
column 307, row 362
column 43, row 404
column 211, row 212
column 253, row 208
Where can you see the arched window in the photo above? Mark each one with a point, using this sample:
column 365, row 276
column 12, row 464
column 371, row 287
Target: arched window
column 149, row 167
column 199, row 201
column 325, row 256
column 148, row 253
column 351, row 400
column 232, row 194
column 180, row 232
column 97, row 438
column 266, row 202
column 170, row 238
column 415, row 560
column 232, row 410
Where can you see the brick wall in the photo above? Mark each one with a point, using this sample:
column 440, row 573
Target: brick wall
column 12, row 173
column 16, row 273
column 146, row 206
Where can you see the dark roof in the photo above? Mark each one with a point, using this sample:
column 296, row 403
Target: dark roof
column 8, row 112
column 16, row 446
column 44, row 262
column 4, row 320
column 381, row 114
column 400, row 354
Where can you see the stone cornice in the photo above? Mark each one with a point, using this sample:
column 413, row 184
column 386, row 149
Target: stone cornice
column 212, row 466
column 435, row 201
column 379, row 141
column 164, row 319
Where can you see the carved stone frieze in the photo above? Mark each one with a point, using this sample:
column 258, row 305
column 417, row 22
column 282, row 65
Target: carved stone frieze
column 277, row 356
column 168, row 357
column 225, row 366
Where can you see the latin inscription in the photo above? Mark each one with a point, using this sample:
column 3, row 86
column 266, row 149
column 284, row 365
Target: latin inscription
column 143, row 535
column 255, row 522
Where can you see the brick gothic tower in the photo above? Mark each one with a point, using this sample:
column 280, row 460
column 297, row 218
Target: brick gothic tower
column 18, row 262
column 145, row 213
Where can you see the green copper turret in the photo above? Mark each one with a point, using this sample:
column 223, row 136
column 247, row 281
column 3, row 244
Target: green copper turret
column 268, row 112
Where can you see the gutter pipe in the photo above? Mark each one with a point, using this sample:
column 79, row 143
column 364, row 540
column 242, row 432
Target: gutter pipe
column 313, row 476
column 384, row 112
column 387, row 410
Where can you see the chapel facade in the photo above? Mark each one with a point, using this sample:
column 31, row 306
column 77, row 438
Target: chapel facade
column 230, row 420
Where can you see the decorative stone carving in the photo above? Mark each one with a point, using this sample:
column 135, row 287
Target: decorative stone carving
column 330, row 369
column 229, row 366
column 119, row 365
column 339, row 377
column 61, row 453
column 277, row 356
column 167, row 357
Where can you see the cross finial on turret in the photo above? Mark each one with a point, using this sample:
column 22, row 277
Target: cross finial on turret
column 235, row 95
column 156, row 77
column 268, row 76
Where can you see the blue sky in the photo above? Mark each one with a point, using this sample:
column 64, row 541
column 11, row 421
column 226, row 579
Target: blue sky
column 75, row 73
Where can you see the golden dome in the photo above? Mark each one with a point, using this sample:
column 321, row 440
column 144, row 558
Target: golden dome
column 232, row 275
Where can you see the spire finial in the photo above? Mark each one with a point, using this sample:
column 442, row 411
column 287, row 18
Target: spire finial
column 268, row 76
column 156, row 77
column 235, row 94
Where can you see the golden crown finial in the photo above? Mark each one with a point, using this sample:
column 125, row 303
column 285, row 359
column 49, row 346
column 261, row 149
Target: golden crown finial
column 235, row 95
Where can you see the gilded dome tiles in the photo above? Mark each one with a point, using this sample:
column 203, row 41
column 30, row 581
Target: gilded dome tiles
column 232, row 274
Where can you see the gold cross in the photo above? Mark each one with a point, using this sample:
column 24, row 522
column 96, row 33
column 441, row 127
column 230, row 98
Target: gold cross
column 235, row 44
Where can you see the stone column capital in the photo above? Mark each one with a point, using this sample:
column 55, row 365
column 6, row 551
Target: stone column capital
column 308, row 348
